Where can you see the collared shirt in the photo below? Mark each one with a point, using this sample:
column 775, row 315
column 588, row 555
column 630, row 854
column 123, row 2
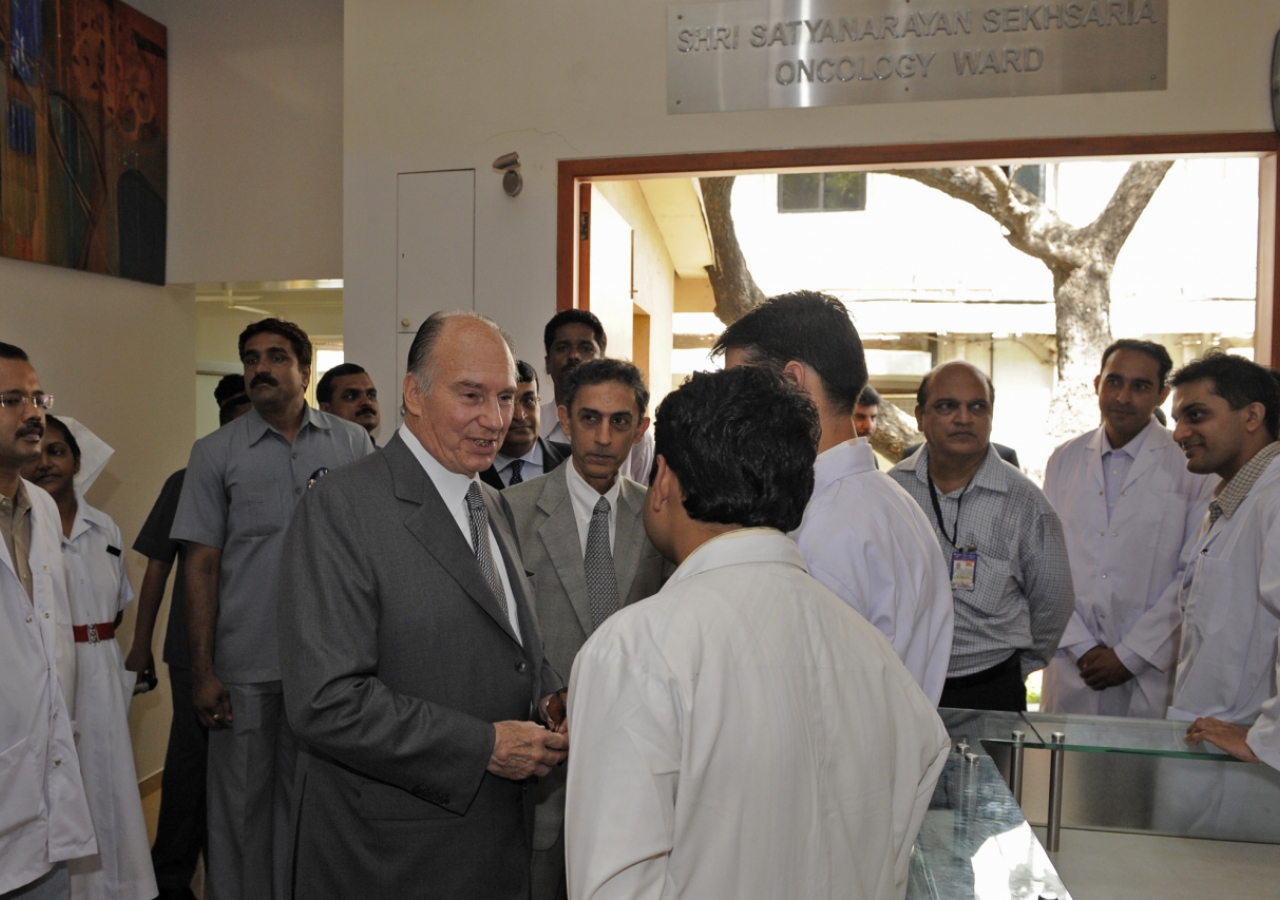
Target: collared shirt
column 585, row 498
column 532, row 465
column 638, row 463
column 453, row 488
column 1116, row 462
column 1022, row 596
column 668, row 703
column 240, row 490
column 44, row 815
column 15, row 525
column 1235, row 490
column 867, row 540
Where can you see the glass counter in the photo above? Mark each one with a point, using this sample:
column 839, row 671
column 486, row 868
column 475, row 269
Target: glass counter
column 975, row 844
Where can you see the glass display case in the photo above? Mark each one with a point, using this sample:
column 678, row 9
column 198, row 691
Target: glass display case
column 1099, row 773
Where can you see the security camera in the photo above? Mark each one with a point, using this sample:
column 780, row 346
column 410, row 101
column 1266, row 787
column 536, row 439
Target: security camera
column 509, row 165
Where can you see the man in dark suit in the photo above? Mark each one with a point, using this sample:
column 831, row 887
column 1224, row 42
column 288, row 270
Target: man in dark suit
column 523, row 455
column 410, row 652
column 581, row 531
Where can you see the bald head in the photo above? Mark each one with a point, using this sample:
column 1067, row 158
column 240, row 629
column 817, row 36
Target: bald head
column 922, row 392
column 460, row 390
column 954, row 408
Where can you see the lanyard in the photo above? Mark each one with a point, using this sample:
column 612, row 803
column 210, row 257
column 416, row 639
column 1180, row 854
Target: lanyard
column 937, row 512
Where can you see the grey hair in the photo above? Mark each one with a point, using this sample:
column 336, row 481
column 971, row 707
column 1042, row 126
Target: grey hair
column 424, row 342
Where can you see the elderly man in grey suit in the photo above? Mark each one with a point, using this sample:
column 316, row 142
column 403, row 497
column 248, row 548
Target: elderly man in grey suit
column 411, row 658
column 581, row 530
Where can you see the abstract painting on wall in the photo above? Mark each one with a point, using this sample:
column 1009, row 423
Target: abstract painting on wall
column 84, row 156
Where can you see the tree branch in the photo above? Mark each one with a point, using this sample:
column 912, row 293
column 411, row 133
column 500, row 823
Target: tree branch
column 736, row 292
column 1107, row 233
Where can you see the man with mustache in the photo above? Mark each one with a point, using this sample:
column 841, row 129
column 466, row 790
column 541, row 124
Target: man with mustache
column 180, row 827
column 572, row 337
column 1129, row 507
column 44, row 813
column 582, row 536
column 1001, row 540
column 524, row 455
column 347, row 391
column 242, row 484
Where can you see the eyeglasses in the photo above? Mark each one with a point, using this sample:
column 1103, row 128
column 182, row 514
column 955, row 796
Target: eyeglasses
column 42, row 401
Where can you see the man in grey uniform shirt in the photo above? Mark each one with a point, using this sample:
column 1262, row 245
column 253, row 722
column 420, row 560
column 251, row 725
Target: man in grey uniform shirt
column 242, row 484
column 1001, row 540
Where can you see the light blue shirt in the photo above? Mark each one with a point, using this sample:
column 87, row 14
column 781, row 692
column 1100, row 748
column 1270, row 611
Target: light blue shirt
column 1116, row 463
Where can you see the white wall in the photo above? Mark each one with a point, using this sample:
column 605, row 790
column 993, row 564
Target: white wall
column 435, row 86
column 254, row 193
column 255, row 140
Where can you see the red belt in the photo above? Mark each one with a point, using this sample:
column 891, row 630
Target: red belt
column 92, row 634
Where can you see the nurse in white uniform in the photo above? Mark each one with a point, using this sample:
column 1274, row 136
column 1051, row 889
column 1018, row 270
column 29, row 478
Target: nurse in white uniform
column 99, row 590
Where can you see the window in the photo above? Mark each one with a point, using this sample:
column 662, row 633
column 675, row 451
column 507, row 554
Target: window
column 1030, row 177
column 822, row 192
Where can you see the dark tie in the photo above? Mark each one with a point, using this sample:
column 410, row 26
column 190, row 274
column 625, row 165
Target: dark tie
column 516, row 478
column 602, row 585
column 479, row 518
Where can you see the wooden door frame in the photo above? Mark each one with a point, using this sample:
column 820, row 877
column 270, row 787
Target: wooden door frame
column 576, row 174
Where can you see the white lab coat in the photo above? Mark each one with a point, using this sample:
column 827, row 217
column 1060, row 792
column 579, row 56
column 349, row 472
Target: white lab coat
column 1231, row 612
column 1127, row 572
column 44, row 816
column 99, row 588
column 743, row 734
column 867, row 539
column 1264, row 734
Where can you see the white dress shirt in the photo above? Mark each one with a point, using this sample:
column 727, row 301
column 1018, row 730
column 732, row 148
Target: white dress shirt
column 44, row 815
column 453, row 491
column 743, row 734
column 867, row 540
column 531, row 469
column 584, row 498
column 638, row 462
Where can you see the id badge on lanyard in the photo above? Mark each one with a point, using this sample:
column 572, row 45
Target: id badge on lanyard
column 964, row 570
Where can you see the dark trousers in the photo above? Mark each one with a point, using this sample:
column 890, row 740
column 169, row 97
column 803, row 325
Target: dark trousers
column 180, row 831
column 999, row 688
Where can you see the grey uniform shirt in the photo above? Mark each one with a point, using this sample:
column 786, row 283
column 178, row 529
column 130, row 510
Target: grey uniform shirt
column 1022, row 596
column 241, row 487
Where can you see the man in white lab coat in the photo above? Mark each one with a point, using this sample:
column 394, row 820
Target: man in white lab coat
column 863, row 536
column 1129, row 509
column 44, row 814
column 742, row 734
column 1228, row 414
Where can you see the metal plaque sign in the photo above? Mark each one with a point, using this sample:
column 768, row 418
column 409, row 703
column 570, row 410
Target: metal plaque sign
column 777, row 54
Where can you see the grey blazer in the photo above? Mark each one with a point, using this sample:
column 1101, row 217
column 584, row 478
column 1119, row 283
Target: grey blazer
column 543, row 515
column 396, row 659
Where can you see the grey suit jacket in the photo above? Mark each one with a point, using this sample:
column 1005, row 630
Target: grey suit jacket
column 397, row 657
column 552, row 550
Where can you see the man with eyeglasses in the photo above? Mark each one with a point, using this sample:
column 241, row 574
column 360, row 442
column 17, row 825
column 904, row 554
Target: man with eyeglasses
column 242, row 485
column 1001, row 540
column 524, row 455
column 44, row 814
